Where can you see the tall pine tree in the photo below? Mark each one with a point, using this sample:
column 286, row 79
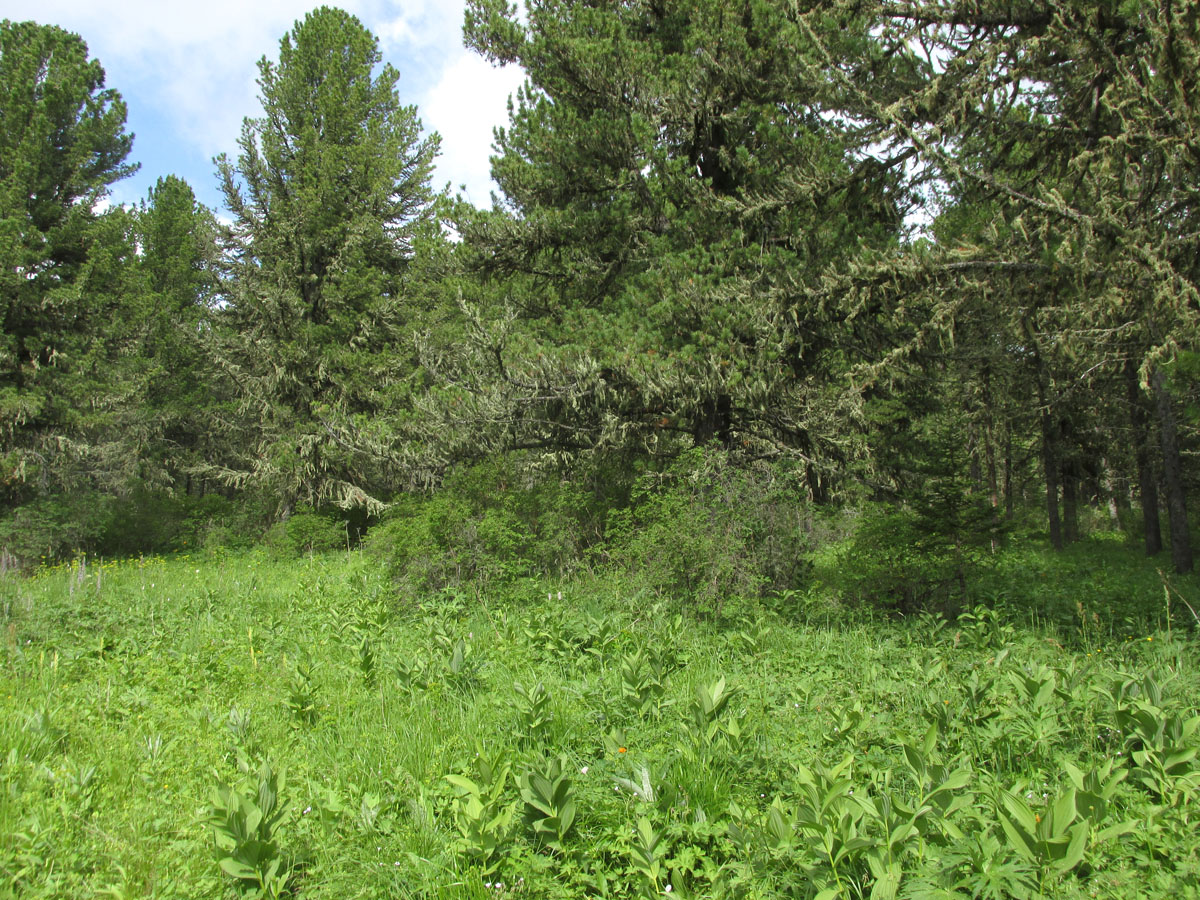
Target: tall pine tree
column 672, row 190
column 62, row 265
column 327, row 194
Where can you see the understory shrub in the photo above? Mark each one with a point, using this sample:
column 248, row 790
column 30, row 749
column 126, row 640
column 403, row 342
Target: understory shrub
column 491, row 523
column 705, row 530
column 307, row 531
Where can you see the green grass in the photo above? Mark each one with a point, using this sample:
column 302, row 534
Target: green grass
column 132, row 691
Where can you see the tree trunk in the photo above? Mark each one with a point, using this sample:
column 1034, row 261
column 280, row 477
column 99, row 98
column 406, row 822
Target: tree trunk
column 1181, row 544
column 1070, row 496
column 1147, row 485
column 1116, row 492
column 1009, row 501
column 1050, row 467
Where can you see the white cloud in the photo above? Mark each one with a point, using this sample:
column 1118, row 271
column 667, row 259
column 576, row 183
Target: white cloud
column 469, row 101
column 189, row 69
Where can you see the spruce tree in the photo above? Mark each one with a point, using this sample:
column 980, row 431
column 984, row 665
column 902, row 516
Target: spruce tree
column 178, row 419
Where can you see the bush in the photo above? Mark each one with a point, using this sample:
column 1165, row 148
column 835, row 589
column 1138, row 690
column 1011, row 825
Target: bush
column 306, row 531
column 488, row 524
column 56, row 526
column 708, row 529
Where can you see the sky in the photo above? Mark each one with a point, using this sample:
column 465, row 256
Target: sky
column 187, row 70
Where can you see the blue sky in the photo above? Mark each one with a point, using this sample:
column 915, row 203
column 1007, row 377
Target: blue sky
column 187, row 72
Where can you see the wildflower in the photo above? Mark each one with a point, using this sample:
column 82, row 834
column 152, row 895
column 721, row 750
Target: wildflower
column 583, row 771
column 621, row 750
column 667, row 889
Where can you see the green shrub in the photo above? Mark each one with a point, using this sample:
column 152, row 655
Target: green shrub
column 56, row 526
column 489, row 524
column 707, row 530
column 306, row 532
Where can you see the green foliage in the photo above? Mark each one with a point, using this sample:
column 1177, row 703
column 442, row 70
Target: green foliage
column 483, row 814
column 915, row 777
column 644, row 288
column 307, row 532
column 488, row 524
column 327, row 194
column 549, row 805
column 533, row 712
column 707, row 530
column 64, row 267
column 244, row 820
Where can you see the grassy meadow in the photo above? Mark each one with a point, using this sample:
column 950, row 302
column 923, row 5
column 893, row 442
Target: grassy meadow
column 245, row 725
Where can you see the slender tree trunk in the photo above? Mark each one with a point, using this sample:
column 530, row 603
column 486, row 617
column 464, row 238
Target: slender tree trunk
column 1009, row 501
column 1050, row 467
column 989, row 441
column 1116, row 492
column 993, row 482
column 1070, row 496
column 1050, row 459
column 1147, row 484
column 1181, row 544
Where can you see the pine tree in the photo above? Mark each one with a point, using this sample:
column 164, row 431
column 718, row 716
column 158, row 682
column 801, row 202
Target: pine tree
column 672, row 191
column 177, row 419
column 62, row 263
column 1072, row 127
column 328, row 194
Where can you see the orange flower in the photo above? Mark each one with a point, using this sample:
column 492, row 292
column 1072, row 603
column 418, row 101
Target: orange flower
column 620, row 749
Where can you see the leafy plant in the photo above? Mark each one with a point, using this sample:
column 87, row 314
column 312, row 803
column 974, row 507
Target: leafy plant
column 711, row 723
column 1053, row 840
column 533, row 711
column 366, row 661
column 645, row 679
column 244, row 819
column 482, row 815
column 647, row 856
column 549, row 805
column 302, row 700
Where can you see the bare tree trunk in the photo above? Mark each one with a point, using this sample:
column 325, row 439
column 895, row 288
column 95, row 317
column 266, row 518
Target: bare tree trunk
column 1050, row 458
column 1009, row 501
column 1070, row 497
column 1181, row 544
column 1147, row 484
column 1050, row 467
column 1116, row 492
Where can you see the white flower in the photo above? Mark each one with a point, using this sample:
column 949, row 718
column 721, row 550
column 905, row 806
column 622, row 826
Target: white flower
column 667, row 889
column 583, row 771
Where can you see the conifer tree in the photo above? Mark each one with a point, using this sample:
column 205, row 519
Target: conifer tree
column 178, row 420
column 672, row 188
column 62, row 262
column 328, row 193
column 1073, row 126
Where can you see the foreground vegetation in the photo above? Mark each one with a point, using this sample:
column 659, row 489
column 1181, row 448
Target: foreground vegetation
column 248, row 724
